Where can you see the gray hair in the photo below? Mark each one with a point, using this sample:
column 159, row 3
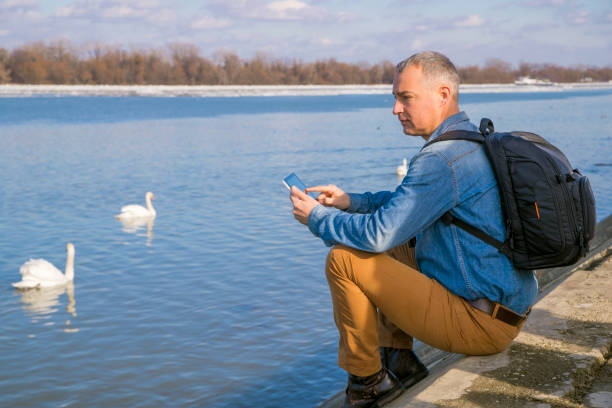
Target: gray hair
column 434, row 66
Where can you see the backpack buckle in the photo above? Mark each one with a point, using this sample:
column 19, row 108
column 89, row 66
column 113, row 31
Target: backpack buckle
column 447, row 218
column 486, row 126
column 505, row 249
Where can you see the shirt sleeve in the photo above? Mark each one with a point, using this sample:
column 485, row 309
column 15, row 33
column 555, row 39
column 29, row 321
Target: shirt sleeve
column 426, row 193
column 367, row 202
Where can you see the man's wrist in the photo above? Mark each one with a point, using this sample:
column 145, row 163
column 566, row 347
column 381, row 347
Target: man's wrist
column 347, row 202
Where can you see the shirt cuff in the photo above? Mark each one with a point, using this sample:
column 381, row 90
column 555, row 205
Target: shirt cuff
column 315, row 218
column 356, row 202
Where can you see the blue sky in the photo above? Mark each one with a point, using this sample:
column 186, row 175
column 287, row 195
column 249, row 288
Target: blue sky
column 564, row 32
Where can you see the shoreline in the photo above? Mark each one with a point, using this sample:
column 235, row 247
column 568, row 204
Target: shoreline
column 14, row 90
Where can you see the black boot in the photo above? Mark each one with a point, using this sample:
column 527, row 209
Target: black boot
column 404, row 364
column 371, row 391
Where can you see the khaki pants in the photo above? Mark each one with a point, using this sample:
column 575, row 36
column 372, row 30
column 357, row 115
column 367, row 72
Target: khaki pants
column 383, row 300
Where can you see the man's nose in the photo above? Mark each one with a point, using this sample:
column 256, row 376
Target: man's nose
column 397, row 108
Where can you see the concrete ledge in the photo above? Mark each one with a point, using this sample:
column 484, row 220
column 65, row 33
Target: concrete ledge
column 561, row 351
column 552, row 363
column 601, row 248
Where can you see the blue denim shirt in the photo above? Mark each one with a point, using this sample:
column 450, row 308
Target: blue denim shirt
column 450, row 175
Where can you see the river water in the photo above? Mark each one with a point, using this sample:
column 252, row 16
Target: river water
column 222, row 301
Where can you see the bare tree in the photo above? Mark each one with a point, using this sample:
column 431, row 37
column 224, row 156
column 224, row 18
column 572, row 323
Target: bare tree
column 5, row 73
column 181, row 63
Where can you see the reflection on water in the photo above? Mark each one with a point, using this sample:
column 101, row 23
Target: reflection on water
column 136, row 224
column 45, row 301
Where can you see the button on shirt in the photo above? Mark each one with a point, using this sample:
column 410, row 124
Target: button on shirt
column 450, row 175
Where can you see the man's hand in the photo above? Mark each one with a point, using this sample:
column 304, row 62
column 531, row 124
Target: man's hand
column 332, row 196
column 302, row 204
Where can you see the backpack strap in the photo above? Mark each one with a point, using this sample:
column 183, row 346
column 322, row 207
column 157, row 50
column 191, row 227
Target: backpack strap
column 486, row 128
column 457, row 135
column 449, row 218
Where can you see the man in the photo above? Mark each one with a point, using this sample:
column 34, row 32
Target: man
column 451, row 290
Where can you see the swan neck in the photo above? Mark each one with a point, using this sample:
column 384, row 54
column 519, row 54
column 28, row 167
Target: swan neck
column 150, row 205
column 69, row 274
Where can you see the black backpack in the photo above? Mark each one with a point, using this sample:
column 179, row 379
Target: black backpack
column 548, row 207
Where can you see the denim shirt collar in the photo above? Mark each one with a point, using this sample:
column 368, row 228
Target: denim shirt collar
column 458, row 121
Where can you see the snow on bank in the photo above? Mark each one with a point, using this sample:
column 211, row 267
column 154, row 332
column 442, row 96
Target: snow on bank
column 189, row 90
column 260, row 90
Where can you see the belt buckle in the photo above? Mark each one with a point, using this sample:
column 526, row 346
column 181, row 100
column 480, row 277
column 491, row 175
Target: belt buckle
column 519, row 318
column 495, row 310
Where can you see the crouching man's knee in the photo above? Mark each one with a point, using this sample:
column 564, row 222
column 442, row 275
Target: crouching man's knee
column 340, row 262
column 344, row 262
column 335, row 262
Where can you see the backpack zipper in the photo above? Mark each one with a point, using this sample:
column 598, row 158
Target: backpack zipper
column 566, row 198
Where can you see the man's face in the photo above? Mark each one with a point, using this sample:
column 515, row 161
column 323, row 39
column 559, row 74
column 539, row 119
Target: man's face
column 417, row 104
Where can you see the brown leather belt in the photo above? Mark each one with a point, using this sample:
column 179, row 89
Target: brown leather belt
column 497, row 311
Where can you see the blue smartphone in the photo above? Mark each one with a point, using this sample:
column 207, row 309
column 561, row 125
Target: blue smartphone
column 293, row 180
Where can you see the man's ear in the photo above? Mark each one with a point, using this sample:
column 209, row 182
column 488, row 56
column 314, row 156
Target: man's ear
column 445, row 94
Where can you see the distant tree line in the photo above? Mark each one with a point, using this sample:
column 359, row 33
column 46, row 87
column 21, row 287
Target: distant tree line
column 182, row 64
column 498, row 71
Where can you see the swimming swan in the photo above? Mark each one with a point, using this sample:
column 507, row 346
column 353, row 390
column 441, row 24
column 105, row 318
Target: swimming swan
column 137, row 211
column 402, row 169
column 39, row 273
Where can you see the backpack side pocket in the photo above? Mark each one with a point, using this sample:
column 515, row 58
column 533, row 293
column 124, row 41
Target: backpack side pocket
column 537, row 205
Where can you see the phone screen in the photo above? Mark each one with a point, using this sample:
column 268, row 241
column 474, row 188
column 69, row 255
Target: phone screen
column 293, row 180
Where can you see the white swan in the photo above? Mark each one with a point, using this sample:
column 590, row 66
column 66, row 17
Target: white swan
column 138, row 211
column 39, row 273
column 402, row 169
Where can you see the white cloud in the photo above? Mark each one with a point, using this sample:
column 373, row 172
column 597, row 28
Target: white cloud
column 418, row 44
column 325, row 42
column 290, row 10
column 22, row 12
column 68, row 11
column 111, row 9
column 121, row 11
column 151, row 4
column 162, row 17
column 207, row 23
column 297, row 10
column 13, row 5
column 544, row 3
column 345, row 17
column 18, row 8
column 579, row 17
column 472, row 21
column 286, row 6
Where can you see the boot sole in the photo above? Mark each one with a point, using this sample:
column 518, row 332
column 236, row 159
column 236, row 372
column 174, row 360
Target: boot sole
column 388, row 397
column 391, row 395
column 415, row 379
